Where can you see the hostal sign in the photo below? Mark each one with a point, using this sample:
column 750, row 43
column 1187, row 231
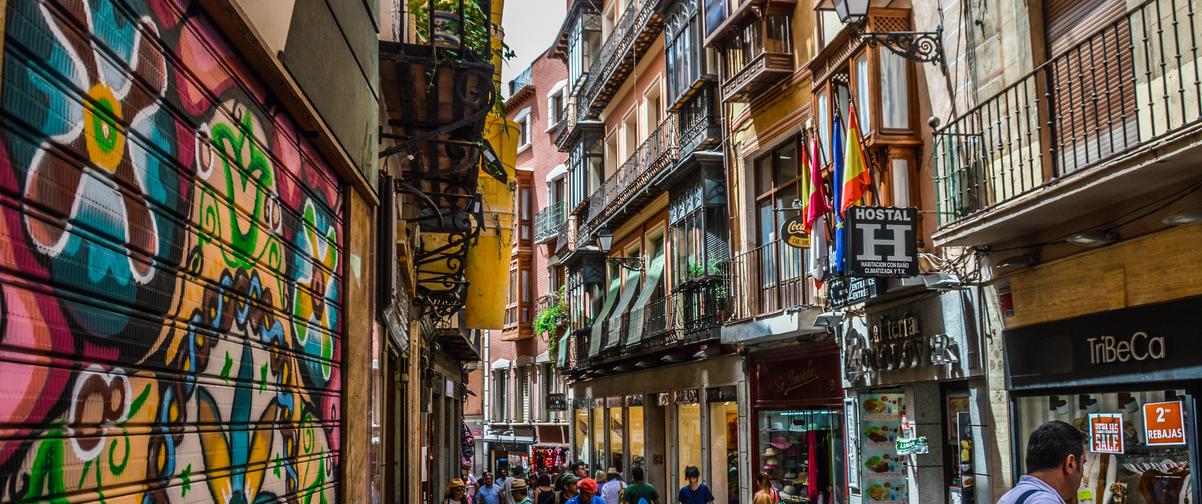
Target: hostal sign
column 883, row 242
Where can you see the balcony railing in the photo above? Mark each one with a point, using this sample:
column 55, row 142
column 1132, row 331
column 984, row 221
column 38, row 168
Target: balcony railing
column 549, row 221
column 656, row 152
column 684, row 317
column 521, row 81
column 634, row 33
column 1130, row 84
column 768, row 279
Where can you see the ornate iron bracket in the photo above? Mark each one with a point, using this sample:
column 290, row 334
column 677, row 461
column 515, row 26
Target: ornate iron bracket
column 924, row 47
column 630, row 263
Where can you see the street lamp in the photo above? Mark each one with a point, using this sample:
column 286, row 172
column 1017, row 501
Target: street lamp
column 605, row 241
column 925, row 47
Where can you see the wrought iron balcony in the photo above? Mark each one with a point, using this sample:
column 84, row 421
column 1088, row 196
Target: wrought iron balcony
column 437, row 89
column 1131, row 86
column 685, row 317
column 522, row 81
column 697, row 119
column 633, row 34
column 548, row 222
column 629, row 185
column 768, row 279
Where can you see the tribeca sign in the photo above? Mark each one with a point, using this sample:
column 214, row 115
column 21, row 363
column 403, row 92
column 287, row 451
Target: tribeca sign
column 883, row 242
column 1138, row 347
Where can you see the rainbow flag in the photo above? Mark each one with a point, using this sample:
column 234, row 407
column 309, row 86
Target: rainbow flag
column 856, row 178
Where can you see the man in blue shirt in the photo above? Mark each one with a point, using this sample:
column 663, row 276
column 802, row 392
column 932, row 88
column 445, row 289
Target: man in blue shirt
column 489, row 492
column 1055, row 466
column 587, row 493
column 695, row 492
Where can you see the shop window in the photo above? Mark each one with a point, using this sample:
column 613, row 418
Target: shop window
column 598, row 438
column 581, row 426
column 1149, row 470
column 801, row 450
column 636, row 431
column 688, row 436
column 724, row 451
column 616, row 436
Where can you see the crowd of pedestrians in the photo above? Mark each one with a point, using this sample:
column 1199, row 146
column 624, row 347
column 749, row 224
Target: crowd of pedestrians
column 569, row 485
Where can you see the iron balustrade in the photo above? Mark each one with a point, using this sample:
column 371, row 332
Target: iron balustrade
column 768, row 279
column 683, row 317
column 611, row 57
column 1129, row 84
column 549, row 221
column 521, row 81
column 658, row 151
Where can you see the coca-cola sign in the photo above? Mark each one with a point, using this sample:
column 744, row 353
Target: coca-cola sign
column 793, row 232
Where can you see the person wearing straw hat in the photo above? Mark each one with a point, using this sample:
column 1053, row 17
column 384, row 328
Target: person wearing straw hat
column 456, row 492
column 613, row 487
column 518, row 493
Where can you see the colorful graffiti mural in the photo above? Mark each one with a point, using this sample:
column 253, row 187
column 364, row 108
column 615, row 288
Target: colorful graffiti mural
column 170, row 267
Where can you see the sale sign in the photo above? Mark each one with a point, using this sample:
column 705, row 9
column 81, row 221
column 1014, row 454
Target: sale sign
column 1106, row 433
column 1164, row 424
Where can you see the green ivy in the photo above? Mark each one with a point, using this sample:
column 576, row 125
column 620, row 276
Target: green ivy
column 549, row 320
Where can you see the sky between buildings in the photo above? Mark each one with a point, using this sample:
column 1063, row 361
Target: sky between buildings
column 530, row 26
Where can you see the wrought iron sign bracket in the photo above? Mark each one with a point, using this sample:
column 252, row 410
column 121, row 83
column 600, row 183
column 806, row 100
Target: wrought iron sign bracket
column 923, row 47
column 630, row 263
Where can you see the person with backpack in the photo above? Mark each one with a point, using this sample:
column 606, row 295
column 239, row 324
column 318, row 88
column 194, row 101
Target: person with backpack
column 1055, row 465
column 639, row 492
column 544, row 493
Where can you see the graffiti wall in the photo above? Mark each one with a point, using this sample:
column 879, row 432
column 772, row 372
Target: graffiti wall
column 170, row 267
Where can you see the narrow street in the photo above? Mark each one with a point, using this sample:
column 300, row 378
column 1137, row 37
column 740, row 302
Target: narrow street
column 601, row 251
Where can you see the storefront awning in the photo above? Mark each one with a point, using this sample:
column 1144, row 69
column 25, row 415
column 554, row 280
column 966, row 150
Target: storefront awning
column 543, row 358
column 655, row 276
column 615, row 319
column 499, row 364
column 611, row 296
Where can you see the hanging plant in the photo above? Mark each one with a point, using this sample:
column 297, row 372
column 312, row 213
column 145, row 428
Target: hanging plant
column 548, row 321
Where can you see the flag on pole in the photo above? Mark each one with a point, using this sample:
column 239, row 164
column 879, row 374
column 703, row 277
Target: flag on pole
column 812, row 191
column 837, row 161
column 816, row 209
column 856, row 179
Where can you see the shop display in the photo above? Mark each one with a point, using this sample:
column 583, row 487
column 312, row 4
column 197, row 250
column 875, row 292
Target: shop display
column 883, row 473
column 796, row 450
column 548, row 457
column 1127, row 463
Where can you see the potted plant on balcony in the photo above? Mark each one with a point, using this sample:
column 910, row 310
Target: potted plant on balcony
column 548, row 322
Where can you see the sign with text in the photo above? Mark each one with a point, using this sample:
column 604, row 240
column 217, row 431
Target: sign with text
column 1106, row 433
column 882, row 242
column 794, row 233
column 843, row 291
column 557, row 402
column 1164, row 424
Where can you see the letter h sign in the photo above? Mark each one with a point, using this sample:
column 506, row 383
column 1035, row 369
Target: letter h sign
column 882, row 242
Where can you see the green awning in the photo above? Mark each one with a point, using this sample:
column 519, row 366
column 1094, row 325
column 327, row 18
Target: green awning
column 611, row 296
column 655, row 277
column 615, row 319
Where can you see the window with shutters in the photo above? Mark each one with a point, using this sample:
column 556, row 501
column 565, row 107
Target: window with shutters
column 523, row 379
column 500, row 395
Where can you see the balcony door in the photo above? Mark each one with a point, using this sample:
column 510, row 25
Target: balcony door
column 781, row 267
column 1092, row 74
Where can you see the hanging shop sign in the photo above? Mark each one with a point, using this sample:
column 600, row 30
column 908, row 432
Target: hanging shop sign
column 1164, row 424
column 1106, row 433
column 895, row 344
column 557, row 402
column 793, row 232
column 883, row 242
column 1115, row 347
column 797, row 379
column 844, row 291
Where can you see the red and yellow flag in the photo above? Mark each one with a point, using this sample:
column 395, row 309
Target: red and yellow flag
column 856, row 178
